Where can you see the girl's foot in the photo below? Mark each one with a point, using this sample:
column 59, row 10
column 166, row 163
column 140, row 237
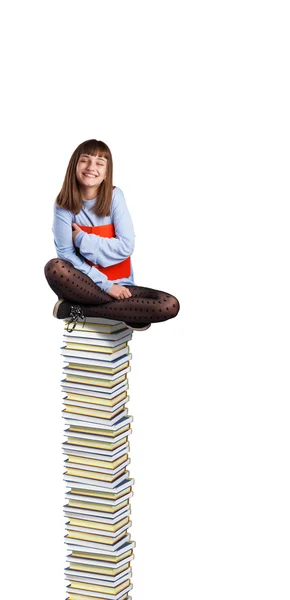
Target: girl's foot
column 65, row 310
column 62, row 309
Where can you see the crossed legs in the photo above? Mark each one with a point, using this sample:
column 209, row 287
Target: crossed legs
column 146, row 305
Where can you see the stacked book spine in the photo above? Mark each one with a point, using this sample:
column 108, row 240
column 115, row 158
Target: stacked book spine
column 96, row 447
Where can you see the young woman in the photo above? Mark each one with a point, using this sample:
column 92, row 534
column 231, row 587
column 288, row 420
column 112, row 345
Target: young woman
column 94, row 240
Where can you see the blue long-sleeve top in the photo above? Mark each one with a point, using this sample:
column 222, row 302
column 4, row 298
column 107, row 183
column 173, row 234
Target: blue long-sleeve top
column 97, row 249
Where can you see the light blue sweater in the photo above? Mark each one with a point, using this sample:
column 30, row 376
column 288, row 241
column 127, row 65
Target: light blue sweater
column 97, row 249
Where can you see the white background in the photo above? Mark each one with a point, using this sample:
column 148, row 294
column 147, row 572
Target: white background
column 193, row 100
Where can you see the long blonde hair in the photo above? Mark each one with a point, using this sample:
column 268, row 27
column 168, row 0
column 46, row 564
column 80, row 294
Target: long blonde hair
column 70, row 197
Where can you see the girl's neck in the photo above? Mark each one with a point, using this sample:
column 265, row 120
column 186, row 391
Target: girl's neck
column 89, row 195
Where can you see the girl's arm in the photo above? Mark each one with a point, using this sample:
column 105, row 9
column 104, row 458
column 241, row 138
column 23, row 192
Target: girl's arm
column 109, row 251
column 62, row 230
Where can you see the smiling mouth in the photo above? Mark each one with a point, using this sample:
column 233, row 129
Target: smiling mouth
column 89, row 175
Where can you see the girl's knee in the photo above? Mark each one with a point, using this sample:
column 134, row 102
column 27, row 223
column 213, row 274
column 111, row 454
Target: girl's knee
column 168, row 306
column 54, row 267
column 173, row 306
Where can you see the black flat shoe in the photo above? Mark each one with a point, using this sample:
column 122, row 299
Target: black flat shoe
column 62, row 309
column 65, row 310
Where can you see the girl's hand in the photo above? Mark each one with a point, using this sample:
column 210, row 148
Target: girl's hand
column 76, row 229
column 119, row 291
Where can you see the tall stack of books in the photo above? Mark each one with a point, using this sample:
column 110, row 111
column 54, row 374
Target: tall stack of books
column 96, row 447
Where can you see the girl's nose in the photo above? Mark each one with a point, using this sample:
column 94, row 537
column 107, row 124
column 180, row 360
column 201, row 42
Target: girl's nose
column 92, row 167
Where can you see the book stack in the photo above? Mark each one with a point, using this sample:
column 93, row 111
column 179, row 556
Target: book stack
column 96, row 448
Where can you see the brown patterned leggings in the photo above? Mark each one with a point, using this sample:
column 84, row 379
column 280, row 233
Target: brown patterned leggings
column 146, row 305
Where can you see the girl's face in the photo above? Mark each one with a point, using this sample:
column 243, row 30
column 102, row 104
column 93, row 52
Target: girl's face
column 90, row 172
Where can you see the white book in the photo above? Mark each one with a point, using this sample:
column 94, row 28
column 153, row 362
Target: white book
column 96, row 484
column 85, row 420
column 125, row 546
column 99, row 335
column 98, row 517
column 98, row 391
column 96, row 453
column 96, row 388
column 94, row 500
column 95, row 375
column 94, row 341
column 93, row 469
column 107, row 409
column 93, row 394
column 100, row 563
column 100, row 363
column 122, row 595
column 107, row 358
column 109, row 534
column 97, row 578
column 85, row 546
column 88, row 422
column 120, row 467
column 123, row 485
column 107, row 459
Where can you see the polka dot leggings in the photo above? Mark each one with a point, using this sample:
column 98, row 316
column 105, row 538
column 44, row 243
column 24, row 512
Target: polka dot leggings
column 146, row 305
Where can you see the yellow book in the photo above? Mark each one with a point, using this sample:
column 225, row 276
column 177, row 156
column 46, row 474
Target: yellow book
column 89, row 412
column 105, row 370
column 95, row 431
column 103, row 589
column 106, row 383
column 96, row 525
column 98, row 327
column 83, row 597
column 96, row 443
column 92, row 537
column 94, row 475
column 104, row 557
column 91, row 348
column 98, row 494
column 106, row 464
column 98, row 570
column 93, row 400
column 95, row 506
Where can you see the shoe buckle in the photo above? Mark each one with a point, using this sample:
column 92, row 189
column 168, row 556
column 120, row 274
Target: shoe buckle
column 76, row 313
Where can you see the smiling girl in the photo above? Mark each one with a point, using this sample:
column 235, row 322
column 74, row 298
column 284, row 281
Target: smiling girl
column 94, row 240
